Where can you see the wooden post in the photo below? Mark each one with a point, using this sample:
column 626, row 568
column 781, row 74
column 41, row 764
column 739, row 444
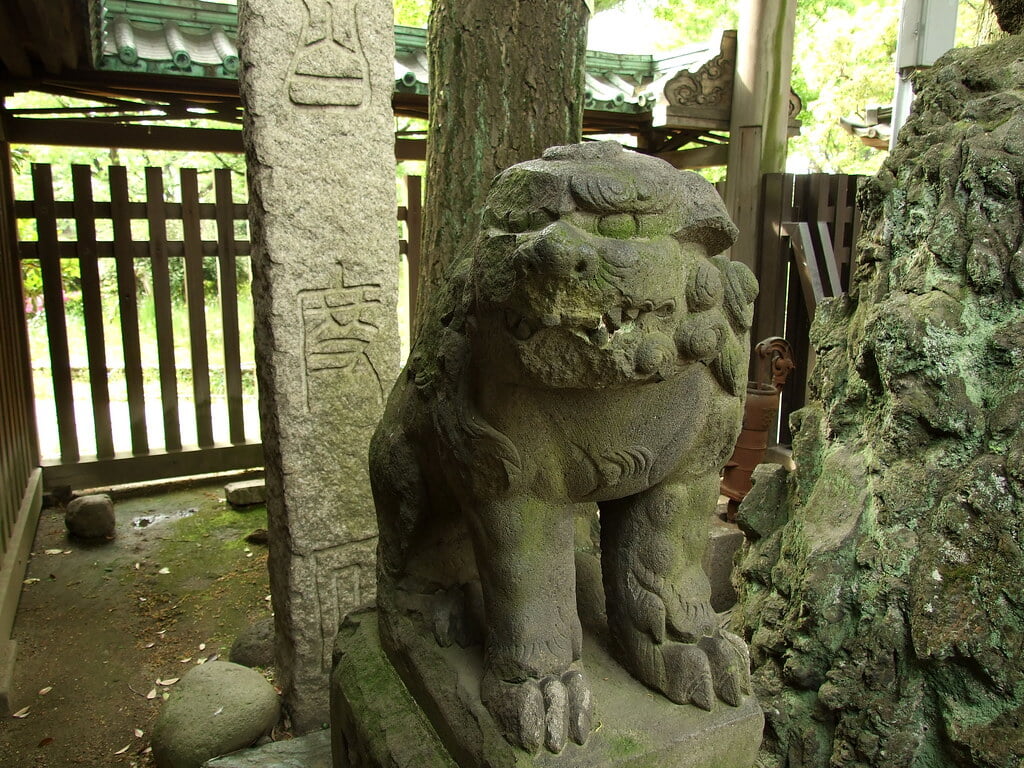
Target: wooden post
column 760, row 113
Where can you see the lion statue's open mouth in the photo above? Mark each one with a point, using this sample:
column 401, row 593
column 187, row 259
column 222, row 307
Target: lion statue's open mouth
column 590, row 348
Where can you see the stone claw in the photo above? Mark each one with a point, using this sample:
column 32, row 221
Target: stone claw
column 548, row 712
column 581, row 710
column 688, row 678
column 730, row 666
column 659, row 610
column 715, row 663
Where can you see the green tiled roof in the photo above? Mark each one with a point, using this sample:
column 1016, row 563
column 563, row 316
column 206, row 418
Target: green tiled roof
column 195, row 38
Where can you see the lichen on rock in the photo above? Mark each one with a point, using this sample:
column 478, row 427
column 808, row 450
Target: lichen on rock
column 885, row 612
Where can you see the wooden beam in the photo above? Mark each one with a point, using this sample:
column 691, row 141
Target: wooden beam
column 699, row 157
column 43, row 23
column 88, row 133
column 410, row 149
column 157, row 465
column 806, row 263
column 12, row 51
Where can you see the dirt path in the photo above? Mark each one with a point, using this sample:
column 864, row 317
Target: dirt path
column 99, row 625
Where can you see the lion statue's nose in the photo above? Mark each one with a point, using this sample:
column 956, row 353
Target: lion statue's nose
column 560, row 252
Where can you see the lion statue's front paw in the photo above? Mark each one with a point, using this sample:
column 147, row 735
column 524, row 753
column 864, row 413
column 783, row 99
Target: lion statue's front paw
column 547, row 712
column 691, row 673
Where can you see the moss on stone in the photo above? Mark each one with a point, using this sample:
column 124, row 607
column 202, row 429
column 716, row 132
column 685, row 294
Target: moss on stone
column 885, row 617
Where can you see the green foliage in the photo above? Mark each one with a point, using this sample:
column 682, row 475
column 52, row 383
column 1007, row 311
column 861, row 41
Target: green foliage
column 412, row 13
column 843, row 61
column 695, row 22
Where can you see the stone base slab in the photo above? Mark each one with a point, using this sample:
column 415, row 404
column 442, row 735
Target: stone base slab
column 310, row 751
column 376, row 722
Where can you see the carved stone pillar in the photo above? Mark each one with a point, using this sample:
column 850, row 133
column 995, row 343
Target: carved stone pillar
column 316, row 84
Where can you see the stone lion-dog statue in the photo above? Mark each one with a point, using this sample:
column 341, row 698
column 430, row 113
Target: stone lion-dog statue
column 591, row 348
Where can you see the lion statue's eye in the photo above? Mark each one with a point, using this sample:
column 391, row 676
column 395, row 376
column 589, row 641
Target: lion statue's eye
column 527, row 220
column 621, row 226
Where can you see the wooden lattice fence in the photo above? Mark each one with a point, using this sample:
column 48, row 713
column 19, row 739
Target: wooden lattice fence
column 187, row 246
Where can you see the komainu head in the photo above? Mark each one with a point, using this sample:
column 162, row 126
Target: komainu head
column 597, row 267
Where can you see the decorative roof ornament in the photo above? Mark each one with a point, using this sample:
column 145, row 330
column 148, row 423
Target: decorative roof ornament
column 704, row 94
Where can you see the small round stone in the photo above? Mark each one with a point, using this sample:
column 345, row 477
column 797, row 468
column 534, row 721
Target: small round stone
column 91, row 517
column 215, row 708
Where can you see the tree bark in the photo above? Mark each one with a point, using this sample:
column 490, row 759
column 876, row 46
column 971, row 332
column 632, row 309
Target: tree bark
column 506, row 83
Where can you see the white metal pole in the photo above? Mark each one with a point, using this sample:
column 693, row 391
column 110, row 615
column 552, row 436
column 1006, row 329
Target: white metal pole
column 927, row 30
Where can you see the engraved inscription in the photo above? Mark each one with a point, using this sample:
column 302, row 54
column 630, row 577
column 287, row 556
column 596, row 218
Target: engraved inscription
column 330, row 67
column 341, row 588
column 338, row 325
column 337, row 594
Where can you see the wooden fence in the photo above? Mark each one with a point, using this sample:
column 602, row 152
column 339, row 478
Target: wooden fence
column 207, row 234
column 810, row 225
column 20, row 479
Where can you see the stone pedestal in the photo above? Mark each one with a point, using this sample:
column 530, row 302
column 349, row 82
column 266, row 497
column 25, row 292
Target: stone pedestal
column 316, row 84
column 419, row 704
column 376, row 723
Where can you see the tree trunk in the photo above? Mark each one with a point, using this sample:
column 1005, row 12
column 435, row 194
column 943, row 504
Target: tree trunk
column 506, row 82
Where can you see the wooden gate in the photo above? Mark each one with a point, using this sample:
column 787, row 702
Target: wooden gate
column 181, row 417
column 810, row 225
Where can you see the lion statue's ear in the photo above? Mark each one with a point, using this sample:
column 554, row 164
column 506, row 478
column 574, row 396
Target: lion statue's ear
column 704, row 218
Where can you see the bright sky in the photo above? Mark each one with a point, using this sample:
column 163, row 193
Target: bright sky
column 631, row 28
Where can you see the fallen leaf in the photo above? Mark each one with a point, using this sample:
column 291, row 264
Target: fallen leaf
column 44, row 742
column 151, row 694
column 267, row 598
column 168, row 681
column 30, row 581
column 186, row 661
column 213, row 657
column 138, row 566
column 21, row 713
column 66, row 552
column 138, row 733
column 165, row 695
column 46, row 690
column 142, row 599
column 53, row 551
column 160, row 632
column 164, row 571
column 150, row 645
column 248, row 554
column 202, row 646
column 201, row 660
column 219, row 710
column 146, row 751
column 123, row 749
